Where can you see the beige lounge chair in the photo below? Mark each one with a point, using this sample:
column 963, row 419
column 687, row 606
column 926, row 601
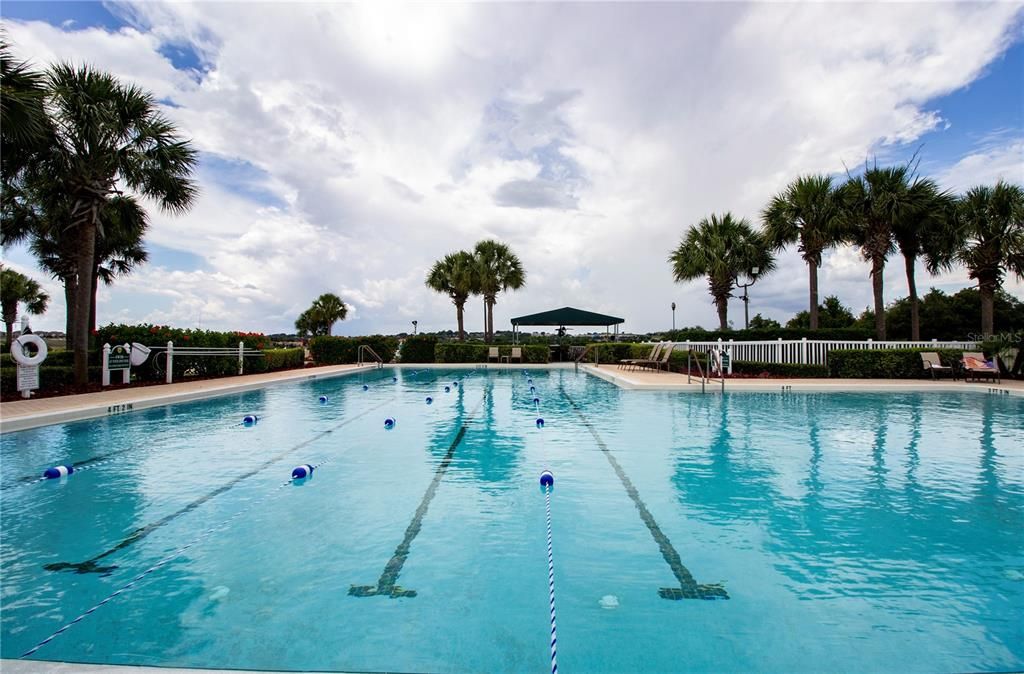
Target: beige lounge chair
column 493, row 353
column 517, row 354
column 934, row 366
column 662, row 360
column 975, row 366
column 651, row 356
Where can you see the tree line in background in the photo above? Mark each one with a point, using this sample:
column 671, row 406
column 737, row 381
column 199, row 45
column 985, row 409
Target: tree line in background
column 883, row 211
column 490, row 269
column 79, row 150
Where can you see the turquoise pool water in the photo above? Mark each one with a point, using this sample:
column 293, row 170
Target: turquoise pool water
column 826, row 532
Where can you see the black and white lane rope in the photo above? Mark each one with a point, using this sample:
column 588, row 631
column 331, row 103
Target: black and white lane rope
column 547, row 483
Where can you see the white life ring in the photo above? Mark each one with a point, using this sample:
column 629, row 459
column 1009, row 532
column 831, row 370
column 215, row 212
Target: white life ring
column 18, row 352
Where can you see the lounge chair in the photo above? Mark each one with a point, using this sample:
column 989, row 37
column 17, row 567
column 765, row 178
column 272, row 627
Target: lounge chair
column 660, row 361
column 975, row 366
column 651, row 356
column 934, row 366
column 493, row 353
column 517, row 354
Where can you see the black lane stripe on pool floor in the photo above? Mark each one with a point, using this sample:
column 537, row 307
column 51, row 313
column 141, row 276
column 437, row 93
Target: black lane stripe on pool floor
column 91, row 566
column 386, row 583
column 688, row 588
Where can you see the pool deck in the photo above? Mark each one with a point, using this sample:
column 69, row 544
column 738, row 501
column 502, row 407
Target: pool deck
column 22, row 414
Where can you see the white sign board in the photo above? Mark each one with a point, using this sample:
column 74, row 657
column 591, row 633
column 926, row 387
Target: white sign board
column 28, row 377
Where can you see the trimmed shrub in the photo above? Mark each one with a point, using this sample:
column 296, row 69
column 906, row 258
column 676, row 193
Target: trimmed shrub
column 535, row 353
column 797, row 371
column 277, row 359
column 49, row 377
column 418, row 349
column 884, row 363
column 338, row 350
column 460, row 352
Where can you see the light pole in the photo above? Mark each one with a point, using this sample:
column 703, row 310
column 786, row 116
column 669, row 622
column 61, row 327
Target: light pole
column 414, row 323
column 746, row 300
column 673, row 316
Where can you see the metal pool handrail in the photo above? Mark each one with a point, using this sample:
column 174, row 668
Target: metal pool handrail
column 366, row 347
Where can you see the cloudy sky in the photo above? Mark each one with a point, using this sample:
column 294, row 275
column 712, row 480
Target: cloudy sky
column 345, row 148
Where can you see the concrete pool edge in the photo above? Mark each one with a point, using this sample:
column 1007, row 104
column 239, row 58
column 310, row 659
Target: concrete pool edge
column 662, row 381
column 23, row 415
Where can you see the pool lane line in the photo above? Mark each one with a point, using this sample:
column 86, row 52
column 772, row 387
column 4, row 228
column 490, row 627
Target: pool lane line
column 688, row 588
column 99, row 459
column 90, row 565
column 551, row 581
column 163, row 562
column 386, row 583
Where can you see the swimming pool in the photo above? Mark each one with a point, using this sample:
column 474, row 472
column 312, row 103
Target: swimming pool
column 750, row 531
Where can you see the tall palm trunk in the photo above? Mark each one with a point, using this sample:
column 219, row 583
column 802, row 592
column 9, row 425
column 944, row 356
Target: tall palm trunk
column 987, row 284
column 915, row 314
column 9, row 323
column 70, row 293
column 83, row 297
column 812, row 282
column 460, row 307
column 490, row 301
column 92, row 303
column 877, row 270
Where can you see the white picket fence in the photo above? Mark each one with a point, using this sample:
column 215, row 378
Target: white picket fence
column 807, row 351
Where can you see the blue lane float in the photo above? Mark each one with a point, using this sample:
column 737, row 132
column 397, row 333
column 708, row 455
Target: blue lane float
column 389, row 423
column 547, row 479
column 302, row 472
column 365, row 387
column 324, row 400
column 540, row 422
column 455, row 384
column 250, row 420
column 429, row 400
column 447, row 389
column 394, row 379
column 57, row 472
column 533, row 389
column 530, row 382
column 536, row 401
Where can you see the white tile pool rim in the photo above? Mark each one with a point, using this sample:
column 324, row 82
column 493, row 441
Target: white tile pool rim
column 76, row 408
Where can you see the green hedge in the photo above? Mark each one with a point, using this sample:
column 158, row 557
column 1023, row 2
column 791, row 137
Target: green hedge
column 460, row 352
column 276, row 359
column 55, row 358
column 476, row 352
column 419, row 349
column 700, row 335
column 49, row 377
column 793, row 370
column 885, row 363
column 337, row 350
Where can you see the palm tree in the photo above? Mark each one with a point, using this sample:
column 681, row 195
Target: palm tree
column 321, row 316
column 986, row 236
column 499, row 269
column 17, row 288
column 23, row 122
column 106, row 136
column 808, row 212
column 456, row 276
column 873, row 204
column 118, row 252
column 721, row 248
column 915, row 233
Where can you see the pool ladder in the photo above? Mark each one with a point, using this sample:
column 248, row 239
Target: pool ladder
column 365, row 349
column 704, row 379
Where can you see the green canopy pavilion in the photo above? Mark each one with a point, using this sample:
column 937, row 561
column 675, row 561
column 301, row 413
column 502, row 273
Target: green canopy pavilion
column 564, row 317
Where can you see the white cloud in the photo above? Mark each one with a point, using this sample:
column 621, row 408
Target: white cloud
column 589, row 137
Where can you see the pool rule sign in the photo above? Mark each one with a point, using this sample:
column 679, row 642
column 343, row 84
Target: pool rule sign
column 28, row 362
column 117, row 358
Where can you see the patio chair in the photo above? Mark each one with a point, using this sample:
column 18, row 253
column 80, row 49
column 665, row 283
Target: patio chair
column 651, row 356
column 1009, row 359
column 975, row 366
column 932, row 365
column 517, row 354
column 660, row 361
column 493, row 353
